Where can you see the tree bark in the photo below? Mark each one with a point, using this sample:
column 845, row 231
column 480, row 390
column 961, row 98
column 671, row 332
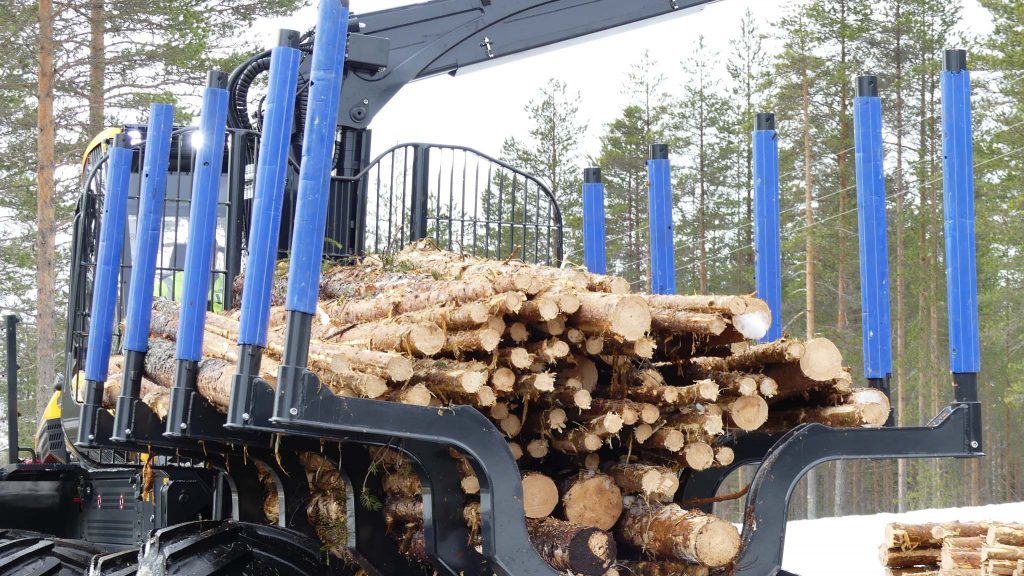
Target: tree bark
column 671, row 533
column 577, row 549
column 46, row 227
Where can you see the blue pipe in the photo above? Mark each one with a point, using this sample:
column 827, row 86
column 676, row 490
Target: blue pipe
column 108, row 261
column 269, row 194
column 958, row 196
column 202, row 223
column 594, row 249
column 147, row 238
column 872, row 230
column 663, row 266
column 767, row 243
column 317, row 154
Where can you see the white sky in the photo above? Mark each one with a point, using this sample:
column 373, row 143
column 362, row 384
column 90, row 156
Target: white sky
column 482, row 108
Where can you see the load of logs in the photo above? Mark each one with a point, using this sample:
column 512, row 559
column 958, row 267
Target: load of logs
column 954, row 549
column 604, row 395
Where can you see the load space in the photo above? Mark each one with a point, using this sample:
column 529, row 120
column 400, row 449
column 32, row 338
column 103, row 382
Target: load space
column 603, row 395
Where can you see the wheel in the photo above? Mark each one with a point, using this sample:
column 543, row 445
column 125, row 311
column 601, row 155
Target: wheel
column 24, row 553
column 234, row 548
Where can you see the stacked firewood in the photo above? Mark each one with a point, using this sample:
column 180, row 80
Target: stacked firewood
column 954, row 549
column 603, row 395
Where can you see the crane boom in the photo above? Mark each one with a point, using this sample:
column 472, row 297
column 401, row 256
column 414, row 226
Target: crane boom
column 444, row 36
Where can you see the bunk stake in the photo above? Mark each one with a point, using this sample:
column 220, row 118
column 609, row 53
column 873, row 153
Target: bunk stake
column 768, row 248
column 594, row 256
column 663, row 267
column 11, row 331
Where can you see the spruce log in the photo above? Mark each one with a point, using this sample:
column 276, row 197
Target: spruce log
column 423, row 339
column 736, row 383
column 416, row 395
column 626, row 316
column 518, row 333
column 503, row 380
column 538, row 448
column 668, row 532
column 326, row 510
column 538, row 310
column 609, row 284
column 151, row 394
column 724, row 455
column 644, row 348
column 570, row 548
column 549, row 351
column 592, row 499
column 868, row 408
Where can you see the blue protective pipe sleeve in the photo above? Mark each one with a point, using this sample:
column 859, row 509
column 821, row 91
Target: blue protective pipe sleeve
column 958, row 196
column 202, row 224
column 872, row 229
column 594, row 256
column 317, row 154
column 663, row 269
column 768, row 248
column 108, row 264
column 269, row 195
column 147, row 237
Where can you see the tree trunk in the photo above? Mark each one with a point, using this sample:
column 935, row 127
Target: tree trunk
column 46, row 228
column 671, row 533
column 571, row 548
column 97, row 66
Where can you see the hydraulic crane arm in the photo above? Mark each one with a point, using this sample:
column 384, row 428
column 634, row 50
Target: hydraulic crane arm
column 444, row 36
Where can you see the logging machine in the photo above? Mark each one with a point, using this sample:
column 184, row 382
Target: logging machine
column 171, row 212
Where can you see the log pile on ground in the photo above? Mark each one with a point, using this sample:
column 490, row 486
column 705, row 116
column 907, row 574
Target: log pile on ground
column 604, row 396
column 954, row 549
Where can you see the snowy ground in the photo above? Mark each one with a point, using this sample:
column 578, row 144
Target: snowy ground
column 849, row 546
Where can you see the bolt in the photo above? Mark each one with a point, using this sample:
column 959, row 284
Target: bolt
column 92, row 437
column 184, row 426
column 127, row 431
column 294, row 411
column 245, row 416
column 974, row 443
column 366, row 101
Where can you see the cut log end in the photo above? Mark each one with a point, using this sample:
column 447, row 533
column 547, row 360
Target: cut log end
column 540, row 495
column 821, row 360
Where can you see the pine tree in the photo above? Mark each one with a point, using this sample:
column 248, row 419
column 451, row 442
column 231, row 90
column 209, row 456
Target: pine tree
column 552, row 153
column 748, row 69
column 623, row 159
column 704, row 139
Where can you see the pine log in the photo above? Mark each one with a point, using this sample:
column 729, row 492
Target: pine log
column 540, row 495
column 592, row 499
column 402, row 511
column 594, row 345
column 416, row 395
column 584, row 370
column 518, row 333
column 747, row 412
column 554, row 327
column 909, row 536
column 549, row 351
column 625, row 316
column 767, row 387
column 1006, row 535
column 608, row 284
column 670, row 321
column 546, row 421
column 151, row 394
column 576, row 441
column 535, row 384
column 655, row 482
column 482, row 340
column 503, row 380
column 736, row 383
column 423, row 339
column 698, row 455
column 668, row 532
column 213, row 377
column 755, row 357
column 326, row 510
column 569, row 548
column 753, row 323
column 516, row 450
column 573, row 397
column 867, row 408
column 724, row 455
column 898, row 558
column 444, row 376
column 538, row 448
column 402, row 483
column 728, row 305
column 697, row 424
column 667, row 438
column 820, row 364
column 662, row 568
column 644, row 348
column 538, row 310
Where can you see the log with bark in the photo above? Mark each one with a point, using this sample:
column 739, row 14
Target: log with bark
column 667, row 532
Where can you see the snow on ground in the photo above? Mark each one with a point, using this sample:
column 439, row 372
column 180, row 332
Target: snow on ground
column 848, row 546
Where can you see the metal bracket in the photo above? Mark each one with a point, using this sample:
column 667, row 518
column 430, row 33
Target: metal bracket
column 803, row 448
column 305, row 407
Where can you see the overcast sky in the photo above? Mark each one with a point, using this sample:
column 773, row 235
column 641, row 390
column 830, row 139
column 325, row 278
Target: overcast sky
column 481, row 108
